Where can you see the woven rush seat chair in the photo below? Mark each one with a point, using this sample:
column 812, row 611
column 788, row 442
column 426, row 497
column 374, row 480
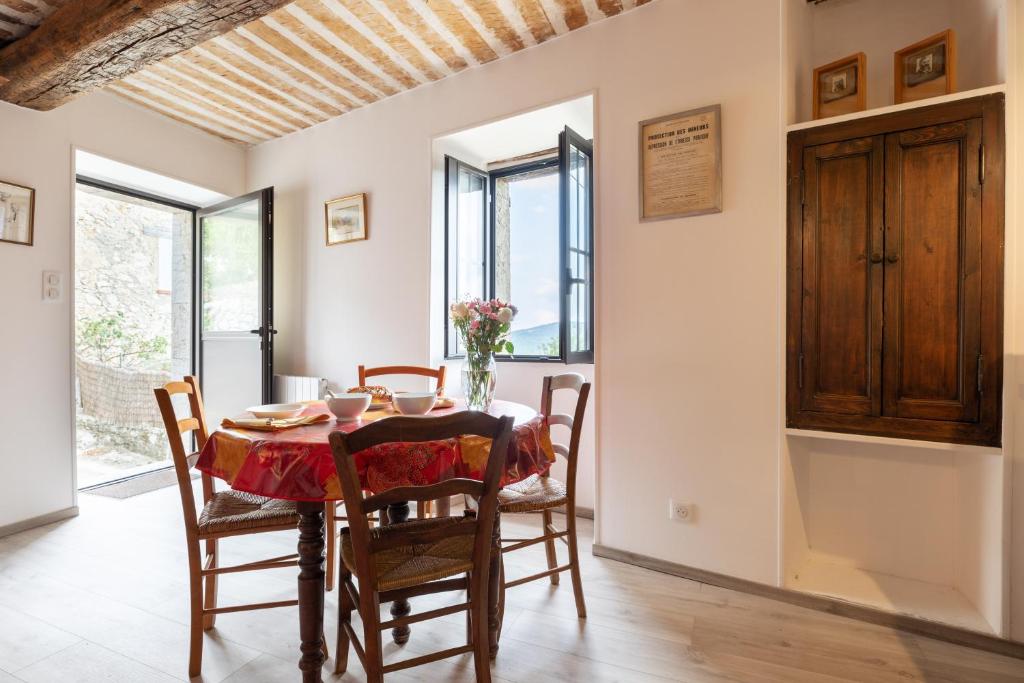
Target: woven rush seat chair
column 533, row 494
column 333, row 516
column 543, row 493
column 408, row 565
column 224, row 514
column 418, row 557
column 237, row 511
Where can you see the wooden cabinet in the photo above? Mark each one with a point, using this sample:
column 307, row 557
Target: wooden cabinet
column 895, row 274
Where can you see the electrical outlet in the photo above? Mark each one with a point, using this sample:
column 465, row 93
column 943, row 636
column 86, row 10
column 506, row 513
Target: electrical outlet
column 53, row 286
column 682, row 512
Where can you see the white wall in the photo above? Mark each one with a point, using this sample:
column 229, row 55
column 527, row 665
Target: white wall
column 36, row 448
column 687, row 323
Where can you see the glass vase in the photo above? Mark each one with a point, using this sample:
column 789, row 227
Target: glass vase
column 479, row 377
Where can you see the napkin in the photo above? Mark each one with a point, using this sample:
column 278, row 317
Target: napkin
column 266, row 424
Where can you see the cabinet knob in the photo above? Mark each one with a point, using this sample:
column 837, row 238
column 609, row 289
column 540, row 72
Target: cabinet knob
column 892, row 258
column 876, row 258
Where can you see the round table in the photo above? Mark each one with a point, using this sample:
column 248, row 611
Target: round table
column 297, row 464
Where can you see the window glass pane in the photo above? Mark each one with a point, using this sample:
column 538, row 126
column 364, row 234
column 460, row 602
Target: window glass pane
column 469, row 272
column 579, row 250
column 526, row 258
column 467, row 235
column 231, row 269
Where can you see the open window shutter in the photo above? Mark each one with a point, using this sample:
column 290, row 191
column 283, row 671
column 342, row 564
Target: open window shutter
column 576, row 167
column 466, row 245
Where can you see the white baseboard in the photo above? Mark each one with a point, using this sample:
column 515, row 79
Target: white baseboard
column 41, row 520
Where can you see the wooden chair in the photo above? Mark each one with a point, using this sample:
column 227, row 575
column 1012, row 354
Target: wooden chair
column 426, row 507
column 543, row 493
column 224, row 514
column 437, row 374
column 401, row 561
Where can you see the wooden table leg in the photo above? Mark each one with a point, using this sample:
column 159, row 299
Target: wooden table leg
column 311, row 590
column 398, row 513
column 494, row 580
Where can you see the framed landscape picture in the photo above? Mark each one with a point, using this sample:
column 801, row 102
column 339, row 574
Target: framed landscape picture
column 345, row 219
column 17, row 206
column 926, row 68
column 839, row 86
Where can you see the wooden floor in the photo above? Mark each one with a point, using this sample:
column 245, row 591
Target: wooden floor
column 103, row 598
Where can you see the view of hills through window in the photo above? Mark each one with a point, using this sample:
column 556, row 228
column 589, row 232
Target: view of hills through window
column 527, row 258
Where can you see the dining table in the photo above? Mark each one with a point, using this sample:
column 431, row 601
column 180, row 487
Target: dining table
column 297, row 464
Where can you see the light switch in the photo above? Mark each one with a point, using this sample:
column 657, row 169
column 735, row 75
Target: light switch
column 53, row 286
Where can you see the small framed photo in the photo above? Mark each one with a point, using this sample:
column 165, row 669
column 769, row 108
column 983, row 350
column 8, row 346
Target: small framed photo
column 345, row 219
column 17, row 209
column 839, row 87
column 926, row 68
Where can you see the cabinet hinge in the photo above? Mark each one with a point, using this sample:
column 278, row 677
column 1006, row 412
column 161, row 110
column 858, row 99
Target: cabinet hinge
column 981, row 164
column 800, row 372
column 803, row 188
column 981, row 371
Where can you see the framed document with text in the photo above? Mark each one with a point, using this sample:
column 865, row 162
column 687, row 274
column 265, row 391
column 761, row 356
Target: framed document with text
column 681, row 164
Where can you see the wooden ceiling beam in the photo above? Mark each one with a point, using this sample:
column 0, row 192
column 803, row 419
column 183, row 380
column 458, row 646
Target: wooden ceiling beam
column 87, row 44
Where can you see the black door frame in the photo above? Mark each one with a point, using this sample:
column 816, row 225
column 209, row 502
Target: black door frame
column 266, row 330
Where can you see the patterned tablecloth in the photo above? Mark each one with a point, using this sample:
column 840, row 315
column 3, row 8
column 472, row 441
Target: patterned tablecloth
column 297, row 464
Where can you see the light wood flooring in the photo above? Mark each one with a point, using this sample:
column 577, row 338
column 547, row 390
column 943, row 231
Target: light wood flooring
column 103, row 598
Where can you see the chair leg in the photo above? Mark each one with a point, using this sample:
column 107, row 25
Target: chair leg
column 210, row 592
column 344, row 617
column 574, row 561
column 195, row 643
column 331, row 533
column 469, row 612
column 369, row 612
column 549, row 546
column 423, row 509
column 481, row 635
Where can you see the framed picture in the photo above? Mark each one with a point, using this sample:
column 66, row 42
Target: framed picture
column 681, row 164
column 17, row 208
column 839, row 87
column 926, row 68
column 345, row 219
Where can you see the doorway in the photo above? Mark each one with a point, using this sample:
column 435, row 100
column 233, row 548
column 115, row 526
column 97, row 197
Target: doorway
column 133, row 325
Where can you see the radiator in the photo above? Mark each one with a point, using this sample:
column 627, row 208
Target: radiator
column 290, row 388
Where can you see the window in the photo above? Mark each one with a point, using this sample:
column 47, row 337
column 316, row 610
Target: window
column 525, row 234
column 466, row 238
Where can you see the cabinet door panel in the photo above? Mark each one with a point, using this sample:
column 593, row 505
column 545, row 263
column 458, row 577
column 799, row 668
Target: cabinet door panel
column 932, row 283
column 842, row 277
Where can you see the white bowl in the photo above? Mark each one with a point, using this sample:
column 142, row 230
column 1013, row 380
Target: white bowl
column 278, row 411
column 349, row 406
column 413, row 402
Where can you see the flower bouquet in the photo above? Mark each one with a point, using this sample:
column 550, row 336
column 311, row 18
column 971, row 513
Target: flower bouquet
column 483, row 327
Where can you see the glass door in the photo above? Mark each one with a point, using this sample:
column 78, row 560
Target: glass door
column 235, row 310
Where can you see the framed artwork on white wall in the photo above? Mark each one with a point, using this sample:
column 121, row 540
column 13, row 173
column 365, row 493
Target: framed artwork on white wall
column 345, row 219
column 17, row 208
column 681, row 164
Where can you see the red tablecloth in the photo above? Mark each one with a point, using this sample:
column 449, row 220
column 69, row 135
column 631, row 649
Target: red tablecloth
column 297, row 464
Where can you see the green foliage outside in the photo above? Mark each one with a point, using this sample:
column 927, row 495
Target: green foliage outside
column 231, row 250
column 107, row 340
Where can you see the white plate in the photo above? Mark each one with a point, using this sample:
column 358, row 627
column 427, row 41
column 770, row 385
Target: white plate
column 378, row 406
column 277, row 411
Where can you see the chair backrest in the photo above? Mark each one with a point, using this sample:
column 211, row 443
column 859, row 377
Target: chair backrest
column 176, row 429
column 436, row 373
column 578, row 383
column 419, row 429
